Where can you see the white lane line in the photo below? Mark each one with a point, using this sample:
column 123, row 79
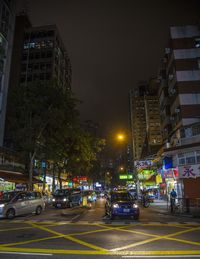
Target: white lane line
column 77, row 216
column 161, row 256
column 21, row 253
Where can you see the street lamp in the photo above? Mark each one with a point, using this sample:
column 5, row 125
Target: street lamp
column 120, row 137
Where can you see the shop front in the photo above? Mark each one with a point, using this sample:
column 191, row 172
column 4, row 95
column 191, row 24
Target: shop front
column 10, row 180
column 172, row 181
column 190, row 176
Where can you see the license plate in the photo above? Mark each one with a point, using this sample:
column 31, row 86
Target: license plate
column 126, row 210
column 58, row 205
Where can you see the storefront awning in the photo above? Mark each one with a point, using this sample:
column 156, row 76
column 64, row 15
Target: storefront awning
column 16, row 177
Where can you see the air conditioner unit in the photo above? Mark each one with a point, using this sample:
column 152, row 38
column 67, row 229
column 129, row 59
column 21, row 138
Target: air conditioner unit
column 177, row 110
column 167, row 50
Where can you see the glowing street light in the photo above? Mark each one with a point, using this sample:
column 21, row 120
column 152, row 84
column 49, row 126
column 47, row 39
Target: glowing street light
column 120, row 137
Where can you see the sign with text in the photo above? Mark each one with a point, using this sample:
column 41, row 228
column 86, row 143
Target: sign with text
column 189, row 171
column 125, row 176
column 139, row 164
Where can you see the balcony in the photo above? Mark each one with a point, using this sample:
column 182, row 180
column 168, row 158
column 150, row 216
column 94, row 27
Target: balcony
column 190, row 134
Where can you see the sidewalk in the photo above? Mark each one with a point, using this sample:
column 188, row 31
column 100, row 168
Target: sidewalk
column 161, row 206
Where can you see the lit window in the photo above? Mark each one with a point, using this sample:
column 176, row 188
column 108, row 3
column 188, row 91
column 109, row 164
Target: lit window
column 197, row 42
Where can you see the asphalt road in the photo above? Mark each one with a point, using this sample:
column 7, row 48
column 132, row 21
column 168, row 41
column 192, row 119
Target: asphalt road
column 86, row 233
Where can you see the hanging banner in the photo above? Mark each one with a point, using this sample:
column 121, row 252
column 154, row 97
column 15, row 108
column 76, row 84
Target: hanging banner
column 189, row 171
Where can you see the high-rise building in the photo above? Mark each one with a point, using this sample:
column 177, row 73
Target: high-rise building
column 179, row 98
column 39, row 56
column 145, row 120
column 44, row 57
column 138, row 118
column 7, row 14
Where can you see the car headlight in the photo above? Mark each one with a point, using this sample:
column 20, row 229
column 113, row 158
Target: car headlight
column 89, row 197
column 64, row 199
column 115, row 205
column 53, row 199
column 2, row 205
column 135, row 206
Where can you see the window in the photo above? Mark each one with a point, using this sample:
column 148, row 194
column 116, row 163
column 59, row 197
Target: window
column 198, row 63
column 198, row 156
column 190, row 158
column 181, row 159
column 197, row 42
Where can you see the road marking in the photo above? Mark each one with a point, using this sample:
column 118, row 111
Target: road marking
column 69, row 237
column 108, row 222
column 26, row 253
column 161, row 256
column 54, row 251
column 158, row 238
column 13, row 229
column 29, row 241
column 96, row 252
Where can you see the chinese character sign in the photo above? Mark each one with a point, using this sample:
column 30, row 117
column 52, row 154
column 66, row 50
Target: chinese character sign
column 189, row 171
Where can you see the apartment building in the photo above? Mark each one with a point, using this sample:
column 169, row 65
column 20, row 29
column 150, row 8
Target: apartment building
column 179, row 98
column 39, row 56
column 7, row 14
column 138, row 118
column 145, row 120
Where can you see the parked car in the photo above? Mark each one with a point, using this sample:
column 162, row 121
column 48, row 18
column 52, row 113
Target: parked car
column 14, row 203
column 121, row 203
column 63, row 198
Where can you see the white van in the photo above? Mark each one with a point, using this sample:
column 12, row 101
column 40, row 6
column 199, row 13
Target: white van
column 14, row 203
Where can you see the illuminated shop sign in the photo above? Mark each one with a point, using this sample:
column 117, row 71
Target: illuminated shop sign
column 125, row 176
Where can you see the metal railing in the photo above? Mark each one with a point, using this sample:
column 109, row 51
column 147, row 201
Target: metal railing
column 184, row 206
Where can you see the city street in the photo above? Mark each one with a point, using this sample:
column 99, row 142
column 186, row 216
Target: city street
column 87, row 232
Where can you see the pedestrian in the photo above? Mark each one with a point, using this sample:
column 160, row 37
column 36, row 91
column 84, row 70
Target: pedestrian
column 173, row 196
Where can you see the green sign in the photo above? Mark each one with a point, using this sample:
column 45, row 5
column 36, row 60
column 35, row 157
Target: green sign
column 125, row 176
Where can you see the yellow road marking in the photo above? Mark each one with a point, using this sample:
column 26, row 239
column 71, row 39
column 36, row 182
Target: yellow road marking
column 168, row 238
column 155, row 239
column 69, row 238
column 106, row 228
column 13, row 229
column 95, row 252
column 29, row 241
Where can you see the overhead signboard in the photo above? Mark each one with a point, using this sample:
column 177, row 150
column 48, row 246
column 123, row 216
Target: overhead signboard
column 140, row 164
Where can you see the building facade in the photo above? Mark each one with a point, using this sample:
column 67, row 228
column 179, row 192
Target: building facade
column 39, row 56
column 7, row 14
column 179, row 98
column 145, row 120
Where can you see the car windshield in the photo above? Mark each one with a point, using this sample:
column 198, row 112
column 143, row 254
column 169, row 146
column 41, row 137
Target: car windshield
column 61, row 192
column 8, row 196
column 121, row 196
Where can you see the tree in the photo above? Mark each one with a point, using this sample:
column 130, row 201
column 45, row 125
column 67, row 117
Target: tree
column 39, row 111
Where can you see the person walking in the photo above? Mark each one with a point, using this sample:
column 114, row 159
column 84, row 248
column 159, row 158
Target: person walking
column 173, row 196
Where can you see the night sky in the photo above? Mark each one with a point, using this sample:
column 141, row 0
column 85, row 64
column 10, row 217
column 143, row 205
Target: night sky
column 112, row 46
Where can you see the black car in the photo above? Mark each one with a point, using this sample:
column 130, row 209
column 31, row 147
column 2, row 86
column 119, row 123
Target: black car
column 121, row 203
column 64, row 198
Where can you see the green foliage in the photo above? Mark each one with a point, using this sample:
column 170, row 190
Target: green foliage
column 44, row 124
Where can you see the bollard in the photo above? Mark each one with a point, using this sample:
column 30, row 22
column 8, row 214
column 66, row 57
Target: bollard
column 85, row 201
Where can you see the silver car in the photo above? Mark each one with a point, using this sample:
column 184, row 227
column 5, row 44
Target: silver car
column 14, row 203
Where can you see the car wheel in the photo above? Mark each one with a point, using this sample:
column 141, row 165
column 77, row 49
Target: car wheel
column 112, row 216
column 10, row 214
column 38, row 210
